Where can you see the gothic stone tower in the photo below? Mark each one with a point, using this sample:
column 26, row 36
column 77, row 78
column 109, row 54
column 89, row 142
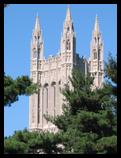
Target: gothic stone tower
column 52, row 73
column 96, row 62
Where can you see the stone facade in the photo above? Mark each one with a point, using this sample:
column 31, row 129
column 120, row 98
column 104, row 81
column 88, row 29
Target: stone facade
column 52, row 73
column 96, row 62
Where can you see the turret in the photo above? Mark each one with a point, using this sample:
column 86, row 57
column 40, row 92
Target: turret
column 37, row 42
column 96, row 56
column 68, row 41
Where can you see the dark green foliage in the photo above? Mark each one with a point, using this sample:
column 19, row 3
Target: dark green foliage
column 32, row 142
column 13, row 147
column 88, row 124
column 107, row 145
column 13, row 88
column 111, row 72
column 89, row 117
column 82, row 97
column 111, row 69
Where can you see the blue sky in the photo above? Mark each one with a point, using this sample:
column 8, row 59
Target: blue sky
column 19, row 21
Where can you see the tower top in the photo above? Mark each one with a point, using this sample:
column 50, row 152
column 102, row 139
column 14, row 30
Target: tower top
column 37, row 23
column 96, row 26
column 68, row 13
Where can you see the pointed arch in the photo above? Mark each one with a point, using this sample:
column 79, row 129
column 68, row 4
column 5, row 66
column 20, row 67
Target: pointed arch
column 34, row 53
column 53, row 85
column 44, row 103
column 68, row 44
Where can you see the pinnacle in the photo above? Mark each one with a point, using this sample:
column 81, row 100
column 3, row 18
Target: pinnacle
column 68, row 14
column 37, row 23
column 96, row 27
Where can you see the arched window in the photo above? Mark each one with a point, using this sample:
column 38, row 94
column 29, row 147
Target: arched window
column 39, row 106
column 68, row 29
column 46, row 97
column 95, row 55
column 68, row 45
column 98, row 38
column 99, row 54
column 38, row 53
column 59, row 82
column 54, row 97
column 95, row 39
column 44, row 103
column 35, row 37
column 34, row 53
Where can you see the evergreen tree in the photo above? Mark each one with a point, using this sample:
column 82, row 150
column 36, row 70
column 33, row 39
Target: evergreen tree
column 13, row 88
column 32, row 142
column 89, row 121
column 88, row 124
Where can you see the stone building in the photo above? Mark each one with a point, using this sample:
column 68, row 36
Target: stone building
column 52, row 73
column 96, row 61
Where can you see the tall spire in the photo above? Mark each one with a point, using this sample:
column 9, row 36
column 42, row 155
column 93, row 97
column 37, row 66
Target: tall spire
column 96, row 27
column 96, row 62
column 37, row 23
column 68, row 41
column 37, row 41
column 68, row 14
